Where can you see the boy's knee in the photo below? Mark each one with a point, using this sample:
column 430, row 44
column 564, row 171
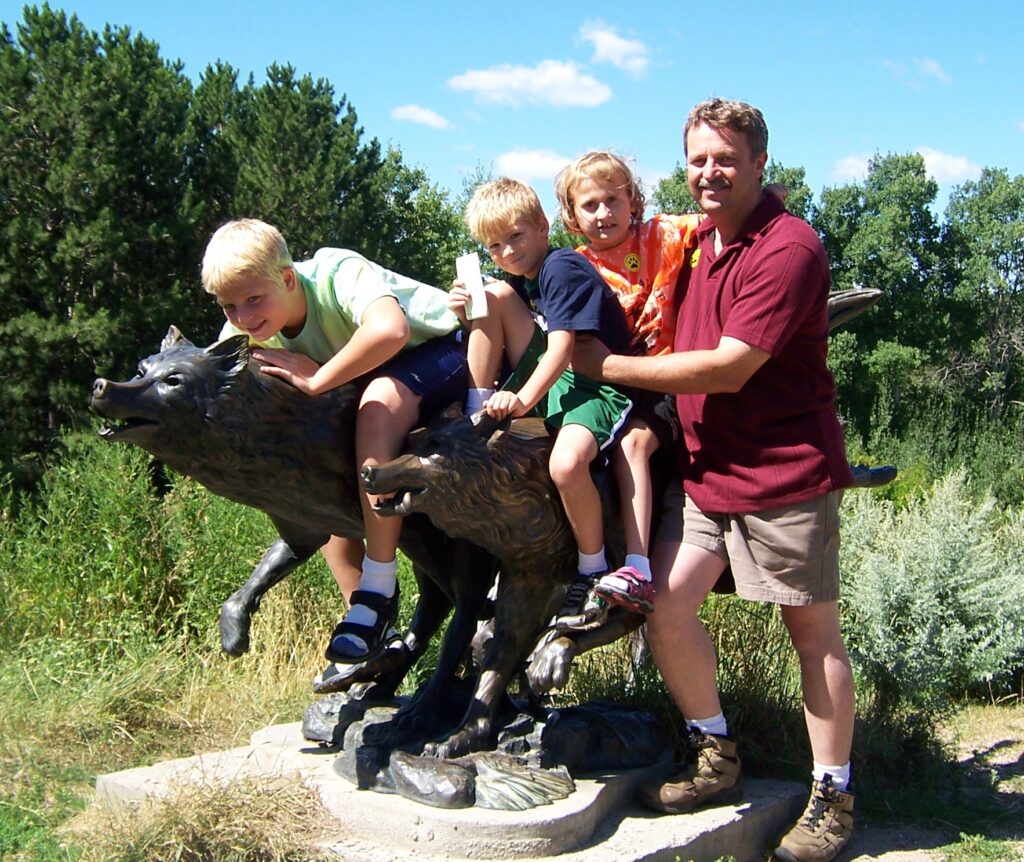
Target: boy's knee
column 567, row 468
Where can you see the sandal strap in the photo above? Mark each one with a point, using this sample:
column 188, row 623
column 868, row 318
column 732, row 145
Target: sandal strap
column 383, row 605
column 385, row 608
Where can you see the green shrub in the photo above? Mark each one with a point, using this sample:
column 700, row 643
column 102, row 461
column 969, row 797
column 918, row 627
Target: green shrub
column 86, row 557
column 933, row 594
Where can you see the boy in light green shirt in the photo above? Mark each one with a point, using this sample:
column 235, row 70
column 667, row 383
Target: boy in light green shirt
column 324, row 322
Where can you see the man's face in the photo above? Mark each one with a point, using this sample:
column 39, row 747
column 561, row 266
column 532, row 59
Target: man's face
column 724, row 175
column 520, row 247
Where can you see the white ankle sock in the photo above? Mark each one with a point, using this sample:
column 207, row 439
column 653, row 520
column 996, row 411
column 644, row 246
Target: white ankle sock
column 840, row 774
column 592, row 564
column 377, row 577
column 713, row 724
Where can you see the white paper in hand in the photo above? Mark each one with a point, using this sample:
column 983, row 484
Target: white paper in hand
column 467, row 270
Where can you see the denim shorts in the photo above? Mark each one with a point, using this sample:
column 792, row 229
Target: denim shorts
column 435, row 371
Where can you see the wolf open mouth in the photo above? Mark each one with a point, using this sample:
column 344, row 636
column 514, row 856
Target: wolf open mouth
column 401, row 503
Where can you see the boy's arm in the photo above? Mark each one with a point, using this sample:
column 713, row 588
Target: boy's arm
column 382, row 332
column 554, row 361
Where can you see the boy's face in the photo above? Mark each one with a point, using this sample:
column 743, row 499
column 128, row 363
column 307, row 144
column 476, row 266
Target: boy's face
column 603, row 211
column 259, row 307
column 520, row 247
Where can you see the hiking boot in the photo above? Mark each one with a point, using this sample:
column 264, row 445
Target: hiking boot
column 580, row 606
column 824, row 828
column 627, row 588
column 712, row 779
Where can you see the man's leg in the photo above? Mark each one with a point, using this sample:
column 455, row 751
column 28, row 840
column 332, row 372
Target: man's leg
column 825, row 827
column 679, row 642
column 826, row 677
column 683, row 576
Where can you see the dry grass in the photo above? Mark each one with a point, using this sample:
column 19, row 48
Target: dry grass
column 256, row 821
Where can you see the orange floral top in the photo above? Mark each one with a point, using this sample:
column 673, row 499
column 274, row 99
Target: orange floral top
column 644, row 271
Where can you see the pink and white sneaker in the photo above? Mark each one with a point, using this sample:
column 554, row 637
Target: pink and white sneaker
column 627, row 588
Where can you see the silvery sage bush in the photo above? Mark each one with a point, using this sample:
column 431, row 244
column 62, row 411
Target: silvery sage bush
column 933, row 594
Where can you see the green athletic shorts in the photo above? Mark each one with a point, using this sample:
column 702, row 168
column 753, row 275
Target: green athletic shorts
column 573, row 399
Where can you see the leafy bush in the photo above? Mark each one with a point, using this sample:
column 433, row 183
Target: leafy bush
column 86, row 557
column 933, row 595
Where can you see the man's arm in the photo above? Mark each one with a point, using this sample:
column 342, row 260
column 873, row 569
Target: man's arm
column 727, row 368
column 382, row 332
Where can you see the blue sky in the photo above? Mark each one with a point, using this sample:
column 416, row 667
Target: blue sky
column 520, row 88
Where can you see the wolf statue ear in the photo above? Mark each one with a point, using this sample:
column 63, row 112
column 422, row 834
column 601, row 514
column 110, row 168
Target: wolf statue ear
column 174, row 338
column 233, row 351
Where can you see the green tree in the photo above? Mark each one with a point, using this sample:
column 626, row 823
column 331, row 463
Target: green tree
column 882, row 234
column 672, row 194
column 983, row 245
column 800, row 199
column 97, row 233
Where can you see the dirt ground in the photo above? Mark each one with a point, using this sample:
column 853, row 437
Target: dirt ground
column 990, row 743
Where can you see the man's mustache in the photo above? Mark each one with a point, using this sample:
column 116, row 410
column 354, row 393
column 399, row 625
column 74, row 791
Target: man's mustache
column 721, row 183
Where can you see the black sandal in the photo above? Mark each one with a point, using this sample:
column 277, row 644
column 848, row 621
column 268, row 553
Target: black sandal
column 340, row 649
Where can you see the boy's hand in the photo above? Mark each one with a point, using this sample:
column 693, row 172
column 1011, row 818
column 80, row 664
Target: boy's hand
column 458, row 296
column 294, row 368
column 502, row 404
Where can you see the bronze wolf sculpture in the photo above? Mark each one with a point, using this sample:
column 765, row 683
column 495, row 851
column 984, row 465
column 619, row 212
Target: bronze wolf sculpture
column 209, row 414
column 489, row 481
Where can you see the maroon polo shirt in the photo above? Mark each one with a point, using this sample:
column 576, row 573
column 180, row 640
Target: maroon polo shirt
column 777, row 441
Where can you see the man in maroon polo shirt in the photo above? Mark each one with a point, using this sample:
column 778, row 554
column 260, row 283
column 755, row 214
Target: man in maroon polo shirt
column 763, row 473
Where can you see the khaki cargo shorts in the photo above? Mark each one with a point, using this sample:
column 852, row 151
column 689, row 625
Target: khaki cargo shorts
column 787, row 556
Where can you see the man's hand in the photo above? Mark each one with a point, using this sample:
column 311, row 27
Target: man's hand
column 294, row 368
column 502, row 404
column 588, row 355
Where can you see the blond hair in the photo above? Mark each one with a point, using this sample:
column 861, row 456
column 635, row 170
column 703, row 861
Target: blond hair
column 497, row 204
column 728, row 114
column 599, row 165
column 244, row 247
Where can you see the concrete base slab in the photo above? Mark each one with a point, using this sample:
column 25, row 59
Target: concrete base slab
column 598, row 821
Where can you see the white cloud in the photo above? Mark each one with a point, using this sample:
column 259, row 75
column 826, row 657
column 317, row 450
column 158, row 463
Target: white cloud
column 945, row 168
column 420, row 116
column 530, row 165
column 550, row 82
column 914, row 77
column 931, row 69
column 850, row 168
column 610, row 47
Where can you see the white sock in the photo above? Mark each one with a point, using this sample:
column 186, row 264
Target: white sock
column 714, row 725
column 840, row 774
column 377, row 577
column 641, row 563
column 475, row 399
column 592, row 564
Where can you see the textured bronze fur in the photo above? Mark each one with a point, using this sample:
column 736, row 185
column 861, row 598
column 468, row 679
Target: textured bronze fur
column 209, row 414
column 476, row 479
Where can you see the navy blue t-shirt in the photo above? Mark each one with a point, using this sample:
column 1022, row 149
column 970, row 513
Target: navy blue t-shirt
column 572, row 296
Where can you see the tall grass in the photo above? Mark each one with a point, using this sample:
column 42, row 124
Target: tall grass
column 109, row 655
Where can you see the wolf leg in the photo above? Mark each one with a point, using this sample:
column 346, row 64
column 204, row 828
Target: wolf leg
column 280, row 560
